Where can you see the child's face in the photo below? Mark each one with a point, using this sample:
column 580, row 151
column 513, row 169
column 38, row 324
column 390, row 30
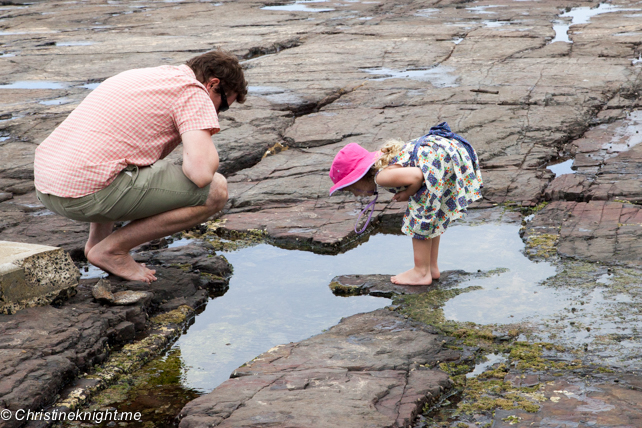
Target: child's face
column 364, row 187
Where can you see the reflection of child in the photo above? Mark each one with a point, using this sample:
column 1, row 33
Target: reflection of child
column 438, row 174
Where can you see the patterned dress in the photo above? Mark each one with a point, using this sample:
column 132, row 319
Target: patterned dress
column 452, row 181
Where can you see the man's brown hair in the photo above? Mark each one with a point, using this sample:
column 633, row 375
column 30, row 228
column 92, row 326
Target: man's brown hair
column 223, row 65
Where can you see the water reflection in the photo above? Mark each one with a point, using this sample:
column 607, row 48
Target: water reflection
column 35, row 84
column 300, row 6
column 278, row 296
column 562, row 168
column 440, row 76
column 508, row 297
column 581, row 15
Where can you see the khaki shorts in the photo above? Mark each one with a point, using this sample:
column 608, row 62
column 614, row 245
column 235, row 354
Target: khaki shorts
column 135, row 193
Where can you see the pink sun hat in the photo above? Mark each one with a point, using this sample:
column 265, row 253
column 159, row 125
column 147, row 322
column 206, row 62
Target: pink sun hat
column 350, row 165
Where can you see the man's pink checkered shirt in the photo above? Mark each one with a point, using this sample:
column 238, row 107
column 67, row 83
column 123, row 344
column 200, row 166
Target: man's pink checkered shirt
column 133, row 118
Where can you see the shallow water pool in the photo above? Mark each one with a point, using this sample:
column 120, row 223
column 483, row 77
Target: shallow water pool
column 278, row 296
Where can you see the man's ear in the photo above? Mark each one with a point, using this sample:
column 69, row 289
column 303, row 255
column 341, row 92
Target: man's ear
column 213, row 82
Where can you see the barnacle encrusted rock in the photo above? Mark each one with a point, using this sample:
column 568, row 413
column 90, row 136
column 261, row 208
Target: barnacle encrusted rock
column 33, row 275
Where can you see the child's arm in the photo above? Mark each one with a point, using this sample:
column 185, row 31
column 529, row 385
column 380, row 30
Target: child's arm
column 398, row 176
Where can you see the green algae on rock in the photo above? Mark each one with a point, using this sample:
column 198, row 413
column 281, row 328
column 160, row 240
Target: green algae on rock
column 427, row 307
column 155, row 391
column 130, row 358
column 543, row 245
column 223, row 239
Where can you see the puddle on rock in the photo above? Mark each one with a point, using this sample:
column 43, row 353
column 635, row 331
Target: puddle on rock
column 278, row 296
column 57, row 101
column 20, row 33
column 426, row 13
column 491, row 359
column 90, row 86
column 508, row 297
column 275, row 95
column 483, row 9
column 581, row 15
column 90, row 271
column 562, row 167
column 74, row 43
column 495, row 24
column 180, row 242
column 299, row 6
column 438, row 76
column 626, row 136
column 35, row 84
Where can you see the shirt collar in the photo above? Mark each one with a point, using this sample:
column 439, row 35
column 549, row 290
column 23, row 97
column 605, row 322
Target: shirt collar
column 187, row 70
column 189, row 73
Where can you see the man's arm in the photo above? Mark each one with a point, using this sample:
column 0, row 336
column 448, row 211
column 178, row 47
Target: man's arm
column 200, row 158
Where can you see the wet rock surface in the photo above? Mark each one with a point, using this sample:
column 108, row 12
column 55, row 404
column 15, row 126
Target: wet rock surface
column 606, row 400
column 355, row 72
column 380, row 285
column 599, row 231
column 45, row 348
column 362, row 72
column 371, row 369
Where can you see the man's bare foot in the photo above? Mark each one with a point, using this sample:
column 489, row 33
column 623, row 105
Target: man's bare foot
column 412, row 277
column 434, row 271
column 88, row 246
column 97, row 232
column 122, row 265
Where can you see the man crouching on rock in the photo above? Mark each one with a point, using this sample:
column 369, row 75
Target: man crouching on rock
column 104, row 163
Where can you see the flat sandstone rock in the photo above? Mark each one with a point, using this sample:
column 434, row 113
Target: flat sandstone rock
column 371, row 370
column 33, row 275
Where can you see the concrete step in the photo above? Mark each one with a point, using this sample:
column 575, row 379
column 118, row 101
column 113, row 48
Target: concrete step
column 34, row 275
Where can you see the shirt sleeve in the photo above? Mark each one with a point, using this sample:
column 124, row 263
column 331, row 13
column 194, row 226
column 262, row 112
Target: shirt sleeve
column 194, row 110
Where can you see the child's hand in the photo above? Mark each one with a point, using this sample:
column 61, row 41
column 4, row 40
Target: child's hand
column 396, row 176
column 402, row 196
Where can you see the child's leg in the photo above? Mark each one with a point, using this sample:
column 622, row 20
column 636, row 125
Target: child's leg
column 434, row 254
column 420, row 274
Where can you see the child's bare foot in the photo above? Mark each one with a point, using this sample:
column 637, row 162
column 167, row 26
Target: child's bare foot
column 434, row 271
column 412, row 277
column 122, row 265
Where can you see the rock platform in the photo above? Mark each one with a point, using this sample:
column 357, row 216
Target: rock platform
column 362, row 72
column 45, row 349
column 370, row 370
column 380, row 285
column 319, row 80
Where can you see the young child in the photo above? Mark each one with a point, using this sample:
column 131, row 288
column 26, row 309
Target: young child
column 438, row 174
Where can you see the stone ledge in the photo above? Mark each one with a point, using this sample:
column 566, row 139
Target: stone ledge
column 34, row 275
column 374, row 369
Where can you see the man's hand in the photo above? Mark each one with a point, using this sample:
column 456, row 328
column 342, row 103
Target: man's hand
column 200, row 158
